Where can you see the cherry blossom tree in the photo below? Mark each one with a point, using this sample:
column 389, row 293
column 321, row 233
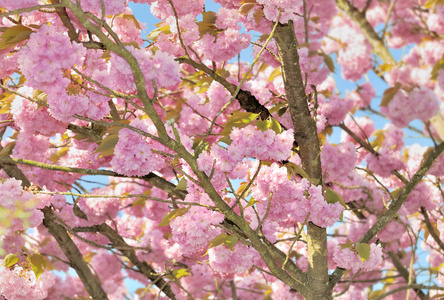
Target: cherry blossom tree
column 222, row 179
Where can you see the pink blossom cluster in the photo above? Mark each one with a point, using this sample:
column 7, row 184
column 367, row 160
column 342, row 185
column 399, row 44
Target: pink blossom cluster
column 322, row 213
column 194, row 230
column 33, row 119
column 348, row 259
column 198, row 281
column 133, row 153
column 43, row 61
column 227, row 44
column 247, row 142
column 290, row 202
column 228, row 262
column 162, row 8
column 389, row 158
column 352, row 47
column 387, row 161
column 287, row 8
column 98, row 210
column 109, row 270
column 338, row 160
column 312, row 65
column 362, row 96
column 17, row 283
column 159, row 67
column 334, row 110
column 425, row 195
column 265, row 145
column 405, row 107
column 8, row 62
column 46, row 53
column 112, row 7
column 12, row 4
column 435, row 20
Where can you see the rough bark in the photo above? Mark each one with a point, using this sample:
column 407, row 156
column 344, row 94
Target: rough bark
column 306, row 137
column 91, row 282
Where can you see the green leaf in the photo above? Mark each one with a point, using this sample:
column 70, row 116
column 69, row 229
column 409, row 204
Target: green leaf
column 438, row 124
column 347, row 244
column 201, row 147
column 59, row 154
column 38, row 264
column 226, row 140
column 245, row 8
column 282, row 111
column 329, row 62
column 10, row 260
column 238, row 119
column 363, row 250
column 182, row 185
column 141, row 200
column 258, row 14
column 209, row 17
column 107, row 145
column 172, row 215
column 277, row 107
column 376, row 294
column 333, row 197
column 223, row 239
column 294, row 169
column 389, row 94
column 181, row 272
column 14, row 35
column 431, row 4
column 251, row 202
column 133, row 19
column 277, row 72
column 276, row 126
column 395, row 194
column 161, row 28
column 263, row 125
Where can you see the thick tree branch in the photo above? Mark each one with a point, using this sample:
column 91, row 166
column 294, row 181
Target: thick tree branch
column 377, row 43
column 14, row 172
column 91, row 282
column 305, row 134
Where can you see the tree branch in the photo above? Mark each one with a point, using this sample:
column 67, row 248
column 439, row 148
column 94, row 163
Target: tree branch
column 90, row 281
column 305, row 134
column 28, row 9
